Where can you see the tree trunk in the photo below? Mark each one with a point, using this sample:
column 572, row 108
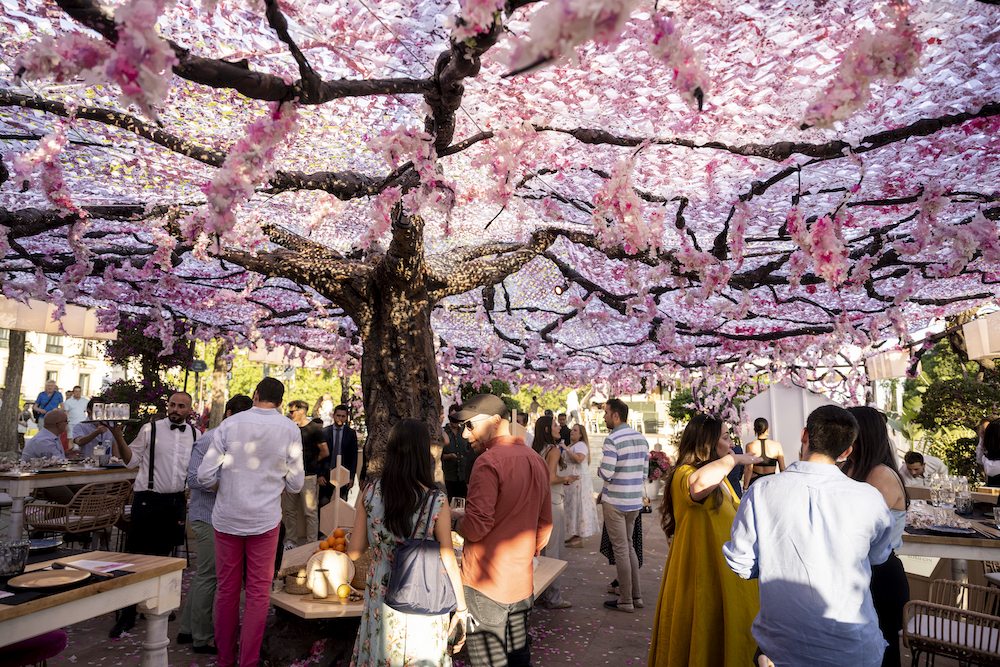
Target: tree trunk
column 12, row 393
column 398, row 368
column 220, row 387
column 399, row 375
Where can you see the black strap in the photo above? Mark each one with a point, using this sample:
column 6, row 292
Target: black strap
column 152, row 453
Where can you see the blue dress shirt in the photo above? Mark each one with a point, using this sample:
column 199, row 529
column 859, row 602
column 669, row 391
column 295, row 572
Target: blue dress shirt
column 46, row 443
column 811, row 535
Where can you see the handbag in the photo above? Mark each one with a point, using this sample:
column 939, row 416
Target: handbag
column 418, row 581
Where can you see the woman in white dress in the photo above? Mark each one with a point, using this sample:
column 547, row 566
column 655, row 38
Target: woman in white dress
column 581, row 511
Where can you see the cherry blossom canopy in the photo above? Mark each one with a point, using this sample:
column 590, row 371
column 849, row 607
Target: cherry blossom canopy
column 606, row 190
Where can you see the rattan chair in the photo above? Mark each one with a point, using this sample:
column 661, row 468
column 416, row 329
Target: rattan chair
column 942, row 626
column 95, row 507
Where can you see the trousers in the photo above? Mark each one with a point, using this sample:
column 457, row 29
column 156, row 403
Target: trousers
column 232, row 552
column 197, row 619
column 308, row 500
column 499, row 637
column 620, row 526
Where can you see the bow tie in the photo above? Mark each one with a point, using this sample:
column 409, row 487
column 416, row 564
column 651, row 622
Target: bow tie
column 179, row 427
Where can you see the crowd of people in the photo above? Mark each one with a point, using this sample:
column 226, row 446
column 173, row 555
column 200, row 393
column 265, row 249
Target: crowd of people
column 797, row 567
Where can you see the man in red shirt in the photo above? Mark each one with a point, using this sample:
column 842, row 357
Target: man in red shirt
column 508, row 519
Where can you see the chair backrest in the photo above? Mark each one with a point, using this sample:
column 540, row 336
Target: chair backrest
column 98, row 505
column 983, row 599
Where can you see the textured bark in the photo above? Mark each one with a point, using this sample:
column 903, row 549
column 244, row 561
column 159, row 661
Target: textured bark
column 219, row 387
column 399, row 377
column 12, row 394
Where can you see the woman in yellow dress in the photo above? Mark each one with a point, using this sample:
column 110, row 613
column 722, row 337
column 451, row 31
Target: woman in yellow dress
column 704, row 611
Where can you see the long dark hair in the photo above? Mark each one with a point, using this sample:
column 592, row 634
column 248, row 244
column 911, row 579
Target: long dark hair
column 698, row 446
column 408, row 471
column 871, row 448
column 543, row 434
column 991, row 440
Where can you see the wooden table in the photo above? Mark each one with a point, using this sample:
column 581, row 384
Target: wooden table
column 301, row 605
column 19, row 485
column 155, row 585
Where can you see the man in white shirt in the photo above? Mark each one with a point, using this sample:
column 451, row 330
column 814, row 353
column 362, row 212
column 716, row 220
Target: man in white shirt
column 161, row 452
column 918, row 468
column 76, row 408
column 254, row 457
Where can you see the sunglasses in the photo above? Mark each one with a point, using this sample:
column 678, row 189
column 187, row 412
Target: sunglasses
column 471, row 423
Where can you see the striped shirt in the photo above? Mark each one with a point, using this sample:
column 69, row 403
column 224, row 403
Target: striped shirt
column 202, row 498
column 624, row 468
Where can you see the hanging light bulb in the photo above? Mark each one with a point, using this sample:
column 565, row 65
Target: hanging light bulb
column 560, row 289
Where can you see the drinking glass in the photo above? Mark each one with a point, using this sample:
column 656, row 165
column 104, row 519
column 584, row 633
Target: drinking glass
column 458, row 504
column 98, row 411
column 935, row 484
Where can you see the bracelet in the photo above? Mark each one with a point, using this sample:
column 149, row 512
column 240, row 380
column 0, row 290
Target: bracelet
column 461, row 610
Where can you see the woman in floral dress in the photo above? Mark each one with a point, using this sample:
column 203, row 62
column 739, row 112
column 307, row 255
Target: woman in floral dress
column 581, row 511
column 385, row 515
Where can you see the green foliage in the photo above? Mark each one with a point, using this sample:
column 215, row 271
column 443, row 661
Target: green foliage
column 495, row 387
column 958, row 401
column 549, row 400
column 959, row 454
column 680, row 405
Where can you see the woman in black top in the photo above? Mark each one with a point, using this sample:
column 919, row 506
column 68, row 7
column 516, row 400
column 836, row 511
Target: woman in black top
column 769, row 450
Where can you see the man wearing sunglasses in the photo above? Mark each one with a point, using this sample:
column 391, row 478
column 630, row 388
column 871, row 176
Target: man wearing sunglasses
column 507, row 521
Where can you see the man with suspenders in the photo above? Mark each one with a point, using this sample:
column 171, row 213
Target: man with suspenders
column 161, row 452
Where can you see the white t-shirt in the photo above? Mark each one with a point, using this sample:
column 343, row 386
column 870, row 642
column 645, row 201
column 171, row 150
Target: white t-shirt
column 76, row 409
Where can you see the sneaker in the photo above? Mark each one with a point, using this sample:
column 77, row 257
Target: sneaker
column 562, row 605
column 289, row 545
column 618, row 605
column 637, row 603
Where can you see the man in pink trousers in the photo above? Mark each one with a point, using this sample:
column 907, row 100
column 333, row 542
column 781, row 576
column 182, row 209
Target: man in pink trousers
column 254, row 456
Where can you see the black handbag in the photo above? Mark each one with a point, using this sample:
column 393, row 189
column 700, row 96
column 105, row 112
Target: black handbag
column 418, row 581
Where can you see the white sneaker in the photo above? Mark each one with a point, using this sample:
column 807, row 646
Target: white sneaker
column 289, row 545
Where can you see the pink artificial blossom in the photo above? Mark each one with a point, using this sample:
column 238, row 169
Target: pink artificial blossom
column 142, row 62
column 64, row 58
column 47, row 156
column 669, row 43
column 892, row 53
column 247, row 165
column 476, row 17
column 558, row 27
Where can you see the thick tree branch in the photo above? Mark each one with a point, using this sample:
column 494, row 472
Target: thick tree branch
column 125, row 121
column 238, row 76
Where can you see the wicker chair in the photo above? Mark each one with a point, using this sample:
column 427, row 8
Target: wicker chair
column 942, row 627
column 95, row 507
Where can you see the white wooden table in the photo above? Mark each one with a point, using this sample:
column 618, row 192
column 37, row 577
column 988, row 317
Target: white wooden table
column 20, row 485
column 155, row 585
column 303, row 605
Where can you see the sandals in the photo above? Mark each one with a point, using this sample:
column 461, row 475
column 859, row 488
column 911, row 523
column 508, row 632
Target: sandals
column 575, row 543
